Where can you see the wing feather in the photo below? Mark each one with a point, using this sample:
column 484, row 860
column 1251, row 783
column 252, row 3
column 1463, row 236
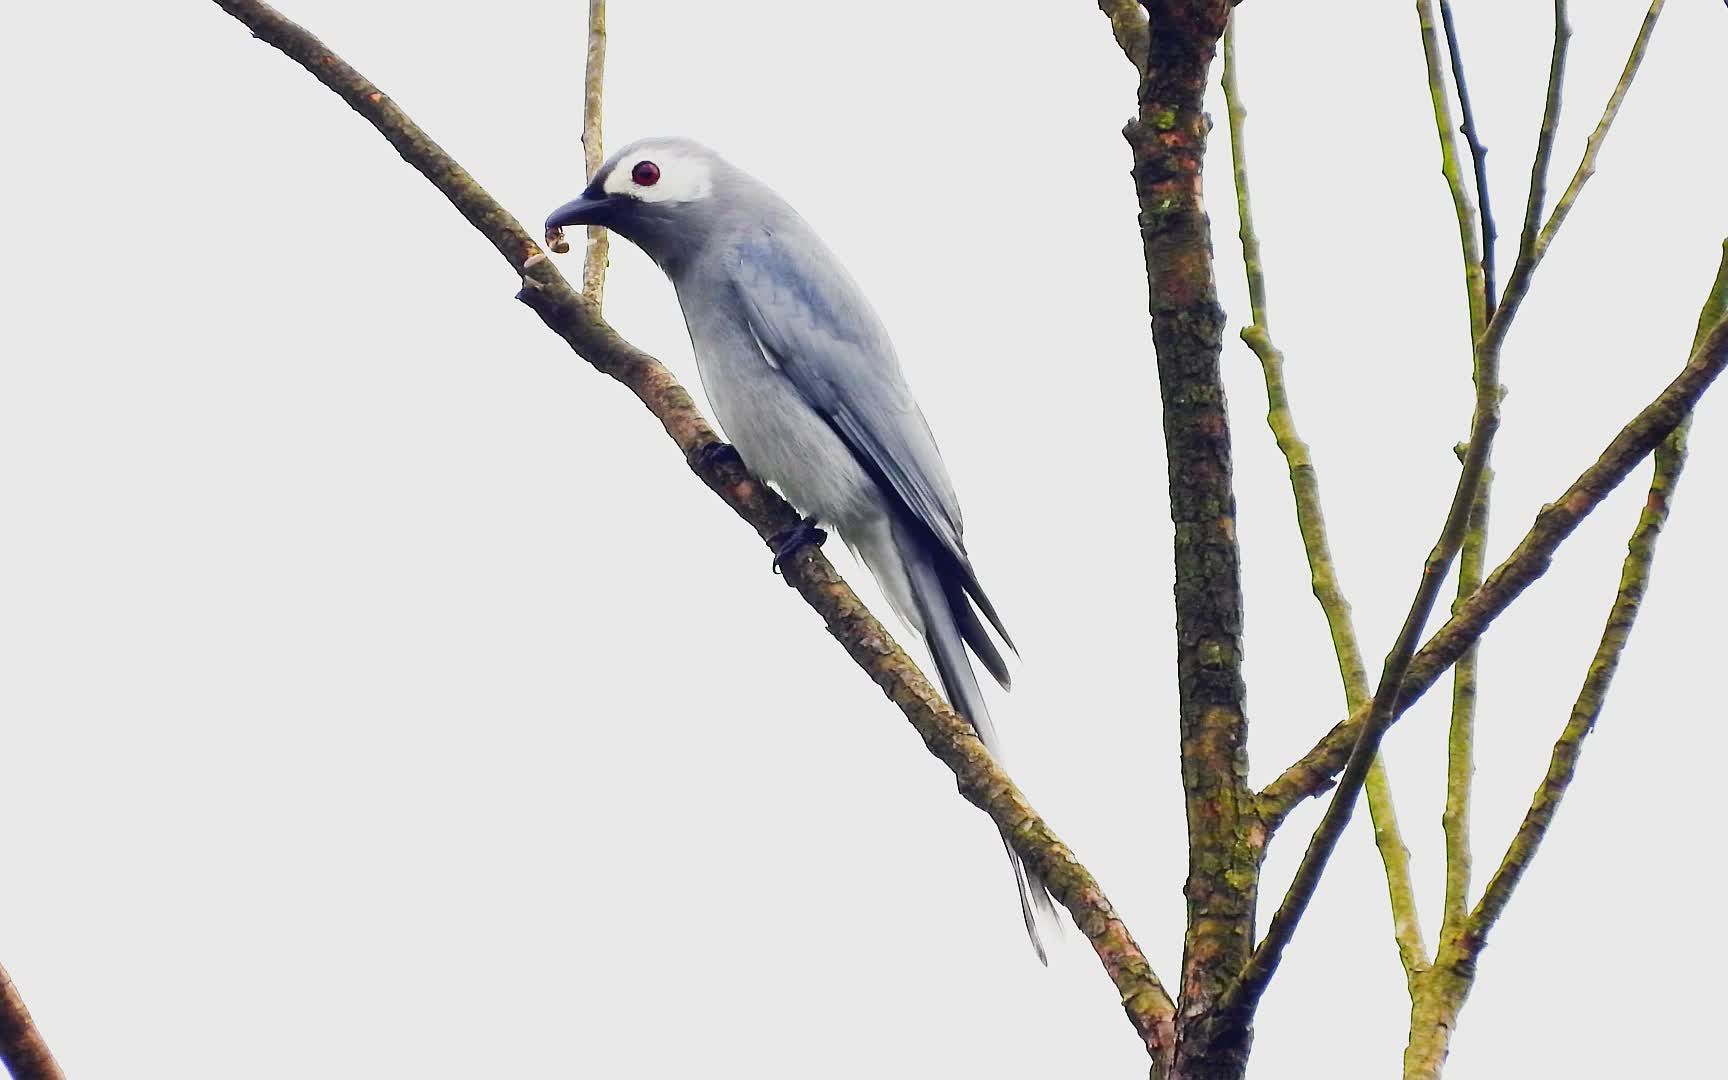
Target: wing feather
column 813, row 324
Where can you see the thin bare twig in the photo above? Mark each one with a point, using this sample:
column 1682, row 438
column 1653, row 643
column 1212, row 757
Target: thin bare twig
column 1461, row 732
column 1426, row 986
column 1545, row 136
column 593, row 147
column 1634, row 579
column 1437, row 993
column 1523, row 270
column 22, row 1049
column 949, row 738
column 1383, row 710
column 1313, row 773
column 1478, row 158
column 1441, row 991
column 1528, row 561
column 1311, row 523
column 1129, row 25
column 1451, row 168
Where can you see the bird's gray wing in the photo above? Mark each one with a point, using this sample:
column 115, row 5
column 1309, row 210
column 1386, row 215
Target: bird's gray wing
column 814, row 325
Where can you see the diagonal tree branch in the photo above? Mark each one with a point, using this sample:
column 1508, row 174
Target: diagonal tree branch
column 22, row 1049
column 1563, row 762
column 1383, row 710
column 949, row 738
column 1533, row 247
column 1528, row 561
column 1314, row 772
column 1445, row 987
column 1311, row 524
column 1634, row 579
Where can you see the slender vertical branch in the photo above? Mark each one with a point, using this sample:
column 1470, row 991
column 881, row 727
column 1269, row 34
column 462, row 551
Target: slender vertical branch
column 1545, row 136
column 1451, row 167
column 1478, row 157
column 1382, row 711
column 1437, row 993
column 1535, row 244
column 22, row 1049
column 1311, row 523
column 1480, row 284
column 1461, row 732
column 1313, row 773
column 1485, row 421
column 1429, row 987
column 593, row 147
column 1460, row 737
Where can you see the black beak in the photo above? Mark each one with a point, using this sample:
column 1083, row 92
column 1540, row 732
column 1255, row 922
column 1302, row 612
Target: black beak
column 580, row 211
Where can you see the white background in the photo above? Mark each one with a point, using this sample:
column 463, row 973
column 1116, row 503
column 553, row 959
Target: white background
column 380, row 696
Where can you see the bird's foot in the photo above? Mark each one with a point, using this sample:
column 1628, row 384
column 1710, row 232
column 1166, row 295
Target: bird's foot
column 716, row 454
column 787, row 542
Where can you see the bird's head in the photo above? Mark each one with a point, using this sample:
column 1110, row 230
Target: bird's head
column 658, row 193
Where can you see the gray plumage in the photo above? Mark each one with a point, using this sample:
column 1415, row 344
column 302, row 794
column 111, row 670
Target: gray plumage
column 806, row 385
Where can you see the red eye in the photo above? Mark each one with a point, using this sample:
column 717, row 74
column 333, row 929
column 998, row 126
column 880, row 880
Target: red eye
column 646, row 173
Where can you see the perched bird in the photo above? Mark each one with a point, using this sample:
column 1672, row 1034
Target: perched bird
column 805, row 383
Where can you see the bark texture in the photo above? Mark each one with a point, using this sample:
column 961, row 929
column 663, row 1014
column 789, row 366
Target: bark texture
column 1167, row 138
column 594, row 257
column 1438, row 997
column 22, row 1049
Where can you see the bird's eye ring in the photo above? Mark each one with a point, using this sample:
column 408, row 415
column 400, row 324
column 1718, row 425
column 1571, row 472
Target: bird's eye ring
column 646, row 174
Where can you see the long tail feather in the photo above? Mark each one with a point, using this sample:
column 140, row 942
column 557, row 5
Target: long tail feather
column 949, row 625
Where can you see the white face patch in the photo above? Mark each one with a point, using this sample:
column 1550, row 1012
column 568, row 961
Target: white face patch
column 683, row 177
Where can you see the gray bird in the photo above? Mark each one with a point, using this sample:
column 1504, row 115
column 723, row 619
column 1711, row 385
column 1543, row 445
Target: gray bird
column 804, row 381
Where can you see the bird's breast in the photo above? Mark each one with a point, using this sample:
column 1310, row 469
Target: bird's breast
column 780, row 437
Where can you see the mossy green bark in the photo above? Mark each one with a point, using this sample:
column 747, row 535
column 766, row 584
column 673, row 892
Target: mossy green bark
column 596, row 255
column 1438, row 997
column 1311, row 525
column 1167, row 138
column 1313, row 773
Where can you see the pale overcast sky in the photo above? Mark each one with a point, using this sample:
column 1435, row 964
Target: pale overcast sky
column 380, row 695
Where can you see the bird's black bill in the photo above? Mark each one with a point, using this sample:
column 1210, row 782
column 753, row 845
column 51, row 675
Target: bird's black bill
column 581, row 211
